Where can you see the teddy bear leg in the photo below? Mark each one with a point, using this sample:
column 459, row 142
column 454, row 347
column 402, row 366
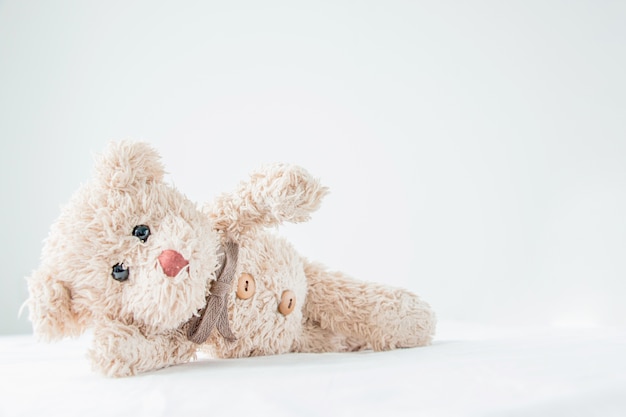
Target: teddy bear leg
column 314, row 339
column 123, row 350
column 383, row 317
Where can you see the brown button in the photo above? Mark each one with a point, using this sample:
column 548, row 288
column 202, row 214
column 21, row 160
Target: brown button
column 287, row 302
column 246, row 286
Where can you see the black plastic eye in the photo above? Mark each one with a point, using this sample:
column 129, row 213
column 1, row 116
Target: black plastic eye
column 141, row 232
column 119, row 273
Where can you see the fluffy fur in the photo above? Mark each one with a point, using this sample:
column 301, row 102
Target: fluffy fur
column 140, row 324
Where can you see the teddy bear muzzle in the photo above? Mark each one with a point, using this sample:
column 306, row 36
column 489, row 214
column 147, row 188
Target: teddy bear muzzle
column 172, row 262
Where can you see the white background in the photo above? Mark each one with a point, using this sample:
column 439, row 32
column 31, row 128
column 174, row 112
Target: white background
column 475, row 150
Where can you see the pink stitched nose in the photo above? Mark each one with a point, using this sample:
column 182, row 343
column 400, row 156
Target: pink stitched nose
column 172, row 262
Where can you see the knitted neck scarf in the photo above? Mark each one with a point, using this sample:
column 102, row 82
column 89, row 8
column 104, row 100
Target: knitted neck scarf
column 215, row 313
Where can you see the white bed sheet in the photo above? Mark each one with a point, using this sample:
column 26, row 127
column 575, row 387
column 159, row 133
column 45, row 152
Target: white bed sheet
column 470, row 370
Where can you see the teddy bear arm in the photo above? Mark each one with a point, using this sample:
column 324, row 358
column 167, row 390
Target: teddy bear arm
column 274, row 194
column 379, row 316
column 123, row 350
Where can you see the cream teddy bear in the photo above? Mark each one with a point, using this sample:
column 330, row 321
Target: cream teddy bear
column 158, row 278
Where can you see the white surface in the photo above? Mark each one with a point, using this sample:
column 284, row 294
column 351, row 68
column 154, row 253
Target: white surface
column 471, row 370
column 478, row 144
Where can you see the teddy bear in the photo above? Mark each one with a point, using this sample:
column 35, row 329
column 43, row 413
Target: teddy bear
column 158, row 278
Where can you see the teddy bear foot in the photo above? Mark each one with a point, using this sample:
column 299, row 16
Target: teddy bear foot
column 367, row 314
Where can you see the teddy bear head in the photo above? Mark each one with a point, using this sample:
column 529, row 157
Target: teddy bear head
column 127, row 247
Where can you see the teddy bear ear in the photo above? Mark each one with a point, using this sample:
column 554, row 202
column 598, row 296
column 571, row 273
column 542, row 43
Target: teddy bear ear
column 128, row 165
column 50, row 308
